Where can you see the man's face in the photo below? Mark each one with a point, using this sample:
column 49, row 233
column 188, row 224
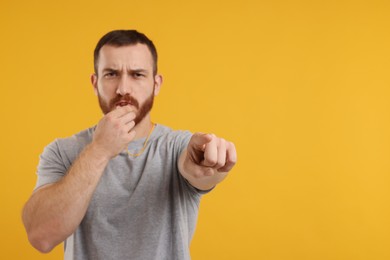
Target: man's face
column 125, row 77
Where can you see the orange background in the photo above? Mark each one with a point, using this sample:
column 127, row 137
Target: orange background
column 301, row 87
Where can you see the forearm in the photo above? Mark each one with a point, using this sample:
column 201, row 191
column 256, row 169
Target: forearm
column 198, row 179
column 55, row 211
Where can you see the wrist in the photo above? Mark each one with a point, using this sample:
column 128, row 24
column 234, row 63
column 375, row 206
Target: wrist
column 98, row 153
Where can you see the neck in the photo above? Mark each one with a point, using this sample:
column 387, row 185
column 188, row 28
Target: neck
column 142, row 129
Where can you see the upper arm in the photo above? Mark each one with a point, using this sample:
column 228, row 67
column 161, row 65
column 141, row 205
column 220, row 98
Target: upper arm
column 52, row 167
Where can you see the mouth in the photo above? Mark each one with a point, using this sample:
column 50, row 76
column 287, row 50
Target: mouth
column 123, row 103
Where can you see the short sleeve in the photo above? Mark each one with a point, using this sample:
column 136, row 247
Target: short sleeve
column 51, row 167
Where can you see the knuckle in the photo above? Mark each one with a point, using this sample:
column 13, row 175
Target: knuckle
column 229, row 165
column 219, row 164
column 231, row 160
column 110, row 118
column 116, row 124
column 212, row 161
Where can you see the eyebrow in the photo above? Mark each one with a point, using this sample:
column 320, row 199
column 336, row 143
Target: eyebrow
column 131, row 70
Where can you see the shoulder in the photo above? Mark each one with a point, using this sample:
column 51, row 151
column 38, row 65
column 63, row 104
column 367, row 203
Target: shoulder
column 59, row 155
column 168, row 135
column 75, row 141
column 68, row 148
column 165, row 132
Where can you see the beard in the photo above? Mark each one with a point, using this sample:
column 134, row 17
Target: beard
column 142, row 110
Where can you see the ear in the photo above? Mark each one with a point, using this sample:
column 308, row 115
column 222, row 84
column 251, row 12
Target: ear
column 158, row 80
column 94, row 83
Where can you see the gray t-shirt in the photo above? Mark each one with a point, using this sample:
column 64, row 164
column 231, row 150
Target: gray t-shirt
column 142, row 207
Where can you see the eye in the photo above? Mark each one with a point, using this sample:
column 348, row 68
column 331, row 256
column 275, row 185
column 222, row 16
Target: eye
column 110, row 74
column 138, row 75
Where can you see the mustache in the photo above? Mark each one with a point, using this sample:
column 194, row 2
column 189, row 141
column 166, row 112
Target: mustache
column 127, row 99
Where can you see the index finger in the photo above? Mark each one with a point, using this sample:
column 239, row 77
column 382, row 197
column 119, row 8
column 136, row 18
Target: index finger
column 200, row 139
column 211, row 153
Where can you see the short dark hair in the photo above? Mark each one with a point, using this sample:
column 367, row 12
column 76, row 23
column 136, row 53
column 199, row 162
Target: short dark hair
column 120, row 38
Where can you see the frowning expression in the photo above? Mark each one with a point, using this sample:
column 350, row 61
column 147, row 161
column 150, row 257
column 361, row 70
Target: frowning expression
column 125, row 77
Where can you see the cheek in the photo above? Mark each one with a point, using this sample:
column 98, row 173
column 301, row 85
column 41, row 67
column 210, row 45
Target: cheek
column 143, row 91
column 106, row 90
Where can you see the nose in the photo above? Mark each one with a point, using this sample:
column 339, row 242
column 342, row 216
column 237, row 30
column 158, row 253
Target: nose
column 124, row 85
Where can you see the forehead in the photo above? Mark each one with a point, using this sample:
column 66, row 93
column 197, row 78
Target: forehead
column 129, row 56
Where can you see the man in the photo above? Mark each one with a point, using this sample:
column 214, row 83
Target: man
column 126, row 188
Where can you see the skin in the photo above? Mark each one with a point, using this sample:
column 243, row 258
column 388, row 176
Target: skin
column 125, row 85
